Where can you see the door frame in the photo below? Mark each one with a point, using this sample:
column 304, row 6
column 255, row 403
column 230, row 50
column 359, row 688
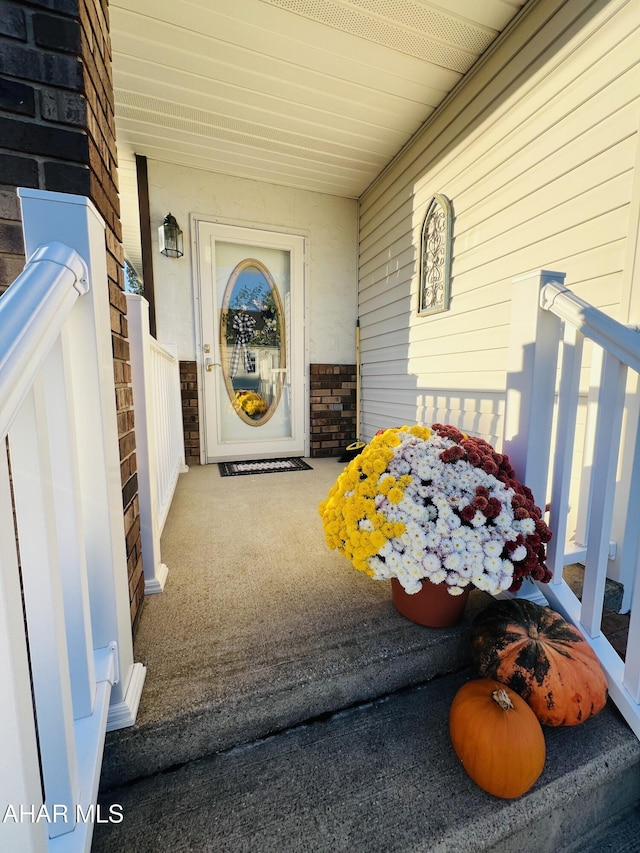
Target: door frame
column 197, row 219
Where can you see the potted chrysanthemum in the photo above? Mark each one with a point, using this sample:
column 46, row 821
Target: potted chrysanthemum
column 433, row 507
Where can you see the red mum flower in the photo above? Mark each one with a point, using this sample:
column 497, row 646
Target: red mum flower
column 489, row 467
column 480, row 502
column 494, row 508
column 467, row 513
column 534, row 540
column 448, row 432
column 543, row 530
column 452, row 454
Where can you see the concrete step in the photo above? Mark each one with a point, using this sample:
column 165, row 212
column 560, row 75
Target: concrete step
column 621, row 834
column 377, row 778
column 361, row 665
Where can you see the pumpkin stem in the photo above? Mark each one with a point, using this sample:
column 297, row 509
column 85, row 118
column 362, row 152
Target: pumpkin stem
column 501, row 697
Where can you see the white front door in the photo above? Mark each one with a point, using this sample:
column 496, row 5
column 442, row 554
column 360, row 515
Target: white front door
column 250, row 340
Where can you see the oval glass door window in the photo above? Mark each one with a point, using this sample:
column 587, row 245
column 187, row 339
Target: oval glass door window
column 252, row 331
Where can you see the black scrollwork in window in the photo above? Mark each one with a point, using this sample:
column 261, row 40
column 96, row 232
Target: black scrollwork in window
column 435, row 257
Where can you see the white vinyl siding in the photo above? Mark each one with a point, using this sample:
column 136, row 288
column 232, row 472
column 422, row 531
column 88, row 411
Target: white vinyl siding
column 536, row 150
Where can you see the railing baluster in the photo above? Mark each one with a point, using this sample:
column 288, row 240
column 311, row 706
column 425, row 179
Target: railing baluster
column 591, row 416
column 35, row 517
column 631, row 678
column 58, row 391
column 603, row 478
column 19, row 768
column 563, row 451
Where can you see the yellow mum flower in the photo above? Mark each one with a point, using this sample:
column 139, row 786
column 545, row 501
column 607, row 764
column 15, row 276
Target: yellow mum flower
column 380, row 464
column 377, row 540
column 395, row 495
column 389, row 438
column 420, row 432
column 385, row 486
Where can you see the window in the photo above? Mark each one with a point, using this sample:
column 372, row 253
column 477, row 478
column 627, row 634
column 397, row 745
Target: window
column 435, row 257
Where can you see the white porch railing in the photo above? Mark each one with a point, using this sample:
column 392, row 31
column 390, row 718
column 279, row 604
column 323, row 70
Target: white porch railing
column 550, row 323
column 155, row 378
column 66, row 655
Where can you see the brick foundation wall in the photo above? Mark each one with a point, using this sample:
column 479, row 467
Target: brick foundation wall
column 190, row 416
column 57, row 132
column 333, row 408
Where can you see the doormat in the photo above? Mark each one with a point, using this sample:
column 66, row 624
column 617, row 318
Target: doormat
column 262, row 466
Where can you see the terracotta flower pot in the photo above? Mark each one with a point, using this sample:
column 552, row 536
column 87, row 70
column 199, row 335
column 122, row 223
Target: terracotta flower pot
column 432, row 607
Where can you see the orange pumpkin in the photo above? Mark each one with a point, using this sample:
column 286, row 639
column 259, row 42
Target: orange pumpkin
column 542, row 657
column 497, row 737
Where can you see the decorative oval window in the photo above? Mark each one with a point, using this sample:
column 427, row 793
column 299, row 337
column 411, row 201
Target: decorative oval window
column 252, row 342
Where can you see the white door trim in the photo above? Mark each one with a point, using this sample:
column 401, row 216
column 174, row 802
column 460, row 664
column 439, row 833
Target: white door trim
column 251, row 234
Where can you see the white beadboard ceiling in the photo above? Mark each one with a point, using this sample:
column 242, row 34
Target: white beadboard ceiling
column 315, row 94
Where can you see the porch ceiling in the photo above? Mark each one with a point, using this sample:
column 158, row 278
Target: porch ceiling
column 314, row 94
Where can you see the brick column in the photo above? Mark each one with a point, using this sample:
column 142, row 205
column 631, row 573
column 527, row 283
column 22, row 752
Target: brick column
column 190, row 418
column 333, row 408
column 57, row 132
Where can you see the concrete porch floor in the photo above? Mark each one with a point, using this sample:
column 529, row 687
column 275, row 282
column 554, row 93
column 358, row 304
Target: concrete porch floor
column 261, row 626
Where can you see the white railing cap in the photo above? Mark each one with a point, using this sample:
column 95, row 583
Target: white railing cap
column 64, row 256
column 622, row 342
column 32, row 312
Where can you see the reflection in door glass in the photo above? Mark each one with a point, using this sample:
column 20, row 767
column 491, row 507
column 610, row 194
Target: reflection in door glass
column 252, row 331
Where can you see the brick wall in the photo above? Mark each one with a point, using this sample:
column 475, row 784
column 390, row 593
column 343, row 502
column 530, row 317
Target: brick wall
column 333, row 408
column 57, row 133
column 190, row 418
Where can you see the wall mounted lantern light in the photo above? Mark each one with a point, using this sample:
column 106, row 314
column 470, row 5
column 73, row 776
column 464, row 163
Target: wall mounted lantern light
column 170, row 238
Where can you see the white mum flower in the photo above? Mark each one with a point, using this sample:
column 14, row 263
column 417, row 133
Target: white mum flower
column 458, row 543
column 442, row 528
column 453, row 521
column 431, row 540
column 453, row 562
column 525, row 525
column 493, row 548
column 393, row 561
column 438, row 577
column 431, row 563
column 492, row 564
column 519, row 554
column 481, row 581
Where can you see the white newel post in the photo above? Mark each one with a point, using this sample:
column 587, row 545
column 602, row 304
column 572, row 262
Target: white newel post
column 155, row 571
column 74, row 220
column 531, row 375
